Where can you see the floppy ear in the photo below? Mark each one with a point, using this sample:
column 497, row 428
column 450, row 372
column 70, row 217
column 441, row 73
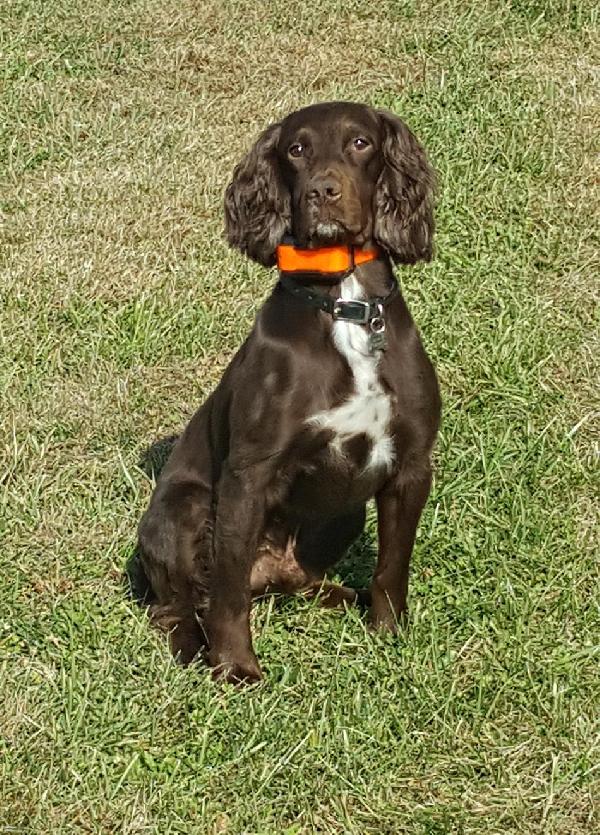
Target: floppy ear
column 257, row 203
column 404, row 196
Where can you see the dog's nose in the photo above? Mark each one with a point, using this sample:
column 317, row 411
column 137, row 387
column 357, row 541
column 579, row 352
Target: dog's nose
column 325, row 188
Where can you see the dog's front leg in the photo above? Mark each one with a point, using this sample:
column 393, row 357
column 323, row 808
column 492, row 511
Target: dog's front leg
column 399, row 509
column 226, row 621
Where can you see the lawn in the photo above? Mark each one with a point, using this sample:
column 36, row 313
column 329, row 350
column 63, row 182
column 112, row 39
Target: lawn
column 120, row 123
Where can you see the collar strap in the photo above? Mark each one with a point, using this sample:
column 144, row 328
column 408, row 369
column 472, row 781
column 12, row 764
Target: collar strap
column 328, row 259
column 346, row 310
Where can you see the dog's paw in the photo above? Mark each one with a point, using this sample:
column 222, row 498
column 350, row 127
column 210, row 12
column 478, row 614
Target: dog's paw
column 387, row 621
column 235, row 671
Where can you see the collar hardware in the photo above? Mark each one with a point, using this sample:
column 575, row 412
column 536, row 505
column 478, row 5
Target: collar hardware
column 341, row 262
column 352, row 310
column 369, row 312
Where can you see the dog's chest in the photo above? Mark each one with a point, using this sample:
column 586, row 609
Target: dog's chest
column 368, row 409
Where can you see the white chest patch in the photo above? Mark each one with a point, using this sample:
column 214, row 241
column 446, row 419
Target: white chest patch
column 368, row 409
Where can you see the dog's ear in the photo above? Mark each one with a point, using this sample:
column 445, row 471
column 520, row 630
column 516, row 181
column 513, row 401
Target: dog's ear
column 404, row 196
column 257, row 202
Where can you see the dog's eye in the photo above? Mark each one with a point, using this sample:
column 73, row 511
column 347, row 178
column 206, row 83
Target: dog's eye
column 296, row 150
column 360, row 144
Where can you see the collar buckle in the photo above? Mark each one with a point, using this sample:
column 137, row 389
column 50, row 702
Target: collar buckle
column 355, row 311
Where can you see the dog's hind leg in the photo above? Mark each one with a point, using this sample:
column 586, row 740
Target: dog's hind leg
column 186, row 638
column 175, row 548
column 290, row 563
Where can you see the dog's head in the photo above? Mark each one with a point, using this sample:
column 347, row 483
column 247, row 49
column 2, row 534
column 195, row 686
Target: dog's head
column 333, row 173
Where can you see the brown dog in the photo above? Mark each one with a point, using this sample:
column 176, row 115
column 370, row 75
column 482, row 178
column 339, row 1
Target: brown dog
column 330, row 401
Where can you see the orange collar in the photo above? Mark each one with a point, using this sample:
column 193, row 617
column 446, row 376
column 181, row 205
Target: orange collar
column 328, row 259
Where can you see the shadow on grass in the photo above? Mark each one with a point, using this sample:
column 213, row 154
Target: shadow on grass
column 355, row 569
column 151, row 462
column 153, row 458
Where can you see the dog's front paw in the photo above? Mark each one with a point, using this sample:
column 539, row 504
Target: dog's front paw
column 235, row 670
column 386, row 620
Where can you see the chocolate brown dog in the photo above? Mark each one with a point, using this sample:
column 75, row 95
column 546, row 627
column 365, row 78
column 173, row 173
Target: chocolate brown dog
column 330, row 401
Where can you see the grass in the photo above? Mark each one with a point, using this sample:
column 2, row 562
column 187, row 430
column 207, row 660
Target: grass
column 120, row 123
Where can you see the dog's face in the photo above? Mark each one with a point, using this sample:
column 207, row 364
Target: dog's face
column 333, row 173
column 330, row 157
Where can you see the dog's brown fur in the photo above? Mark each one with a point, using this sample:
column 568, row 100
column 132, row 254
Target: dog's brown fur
column 254, row 496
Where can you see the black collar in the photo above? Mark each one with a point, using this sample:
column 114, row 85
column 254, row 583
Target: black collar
column 346, row 310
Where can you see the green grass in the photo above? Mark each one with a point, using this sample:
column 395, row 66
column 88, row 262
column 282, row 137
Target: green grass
column 120, row 123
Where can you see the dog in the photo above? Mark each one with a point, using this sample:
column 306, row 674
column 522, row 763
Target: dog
column 330, row 401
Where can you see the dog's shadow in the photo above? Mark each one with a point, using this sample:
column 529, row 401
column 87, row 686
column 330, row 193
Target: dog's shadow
column 153, row 458
column 355, row 569
column 151, row 462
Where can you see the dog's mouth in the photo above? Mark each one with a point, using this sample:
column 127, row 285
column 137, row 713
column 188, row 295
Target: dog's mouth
column 333, row 232
column 330, row 231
